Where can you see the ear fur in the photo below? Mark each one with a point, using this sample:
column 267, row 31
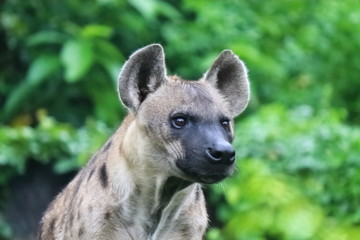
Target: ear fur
column 229, row 75
column 142, row 74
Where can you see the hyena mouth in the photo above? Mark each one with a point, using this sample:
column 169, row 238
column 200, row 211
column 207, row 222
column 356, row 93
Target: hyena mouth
column 212, row 178
column 203, row 176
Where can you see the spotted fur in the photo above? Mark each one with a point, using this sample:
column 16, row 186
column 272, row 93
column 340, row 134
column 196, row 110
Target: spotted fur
column 145, row 183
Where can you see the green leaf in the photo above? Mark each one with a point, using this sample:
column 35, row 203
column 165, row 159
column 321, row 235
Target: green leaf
column 45, row 37
column 95, row 30
column 146, row 8
column 151, row 9
column 77, row 57
column 39, row 71
column 110, row 58
column 15, row 99
column 168, row 10
column 109, row 50
column 42, row 68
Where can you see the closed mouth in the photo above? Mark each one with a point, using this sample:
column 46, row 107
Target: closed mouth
column 212, row 178
column 204, row 175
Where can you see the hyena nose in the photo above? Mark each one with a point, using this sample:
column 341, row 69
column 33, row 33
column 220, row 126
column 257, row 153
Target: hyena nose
column 222, row 153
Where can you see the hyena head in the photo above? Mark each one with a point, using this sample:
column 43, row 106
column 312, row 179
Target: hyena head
column 186, row 127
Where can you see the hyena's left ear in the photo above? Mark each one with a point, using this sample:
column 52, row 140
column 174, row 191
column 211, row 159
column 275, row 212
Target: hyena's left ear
column 142, row 74
column 229, row 75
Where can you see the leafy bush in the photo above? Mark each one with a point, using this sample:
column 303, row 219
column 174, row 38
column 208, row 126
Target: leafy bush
column 298, row 178
column 298, row 52
column 50, row 140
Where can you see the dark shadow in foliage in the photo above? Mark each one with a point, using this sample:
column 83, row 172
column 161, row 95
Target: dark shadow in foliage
column 29, row 196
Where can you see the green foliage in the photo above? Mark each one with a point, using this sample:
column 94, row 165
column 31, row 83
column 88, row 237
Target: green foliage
column 298, row 178
column 298, row 52
column 298, row 157
column 49, row 141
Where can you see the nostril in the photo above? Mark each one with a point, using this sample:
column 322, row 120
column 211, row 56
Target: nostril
column 223, row 156
column 215, row 155
column 232, row 157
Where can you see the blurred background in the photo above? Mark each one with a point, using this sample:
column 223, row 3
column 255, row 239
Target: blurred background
column 297, row 144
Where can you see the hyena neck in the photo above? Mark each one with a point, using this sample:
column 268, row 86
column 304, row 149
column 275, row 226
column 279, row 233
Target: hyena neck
column 160, row 201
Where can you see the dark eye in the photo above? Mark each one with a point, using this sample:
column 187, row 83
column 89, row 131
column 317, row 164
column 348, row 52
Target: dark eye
column 179, row 121
column 225, row 123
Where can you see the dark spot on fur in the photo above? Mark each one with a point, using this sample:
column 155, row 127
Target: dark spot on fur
column 73, row 197
column 185, row 230
column 77, row 186
column 91, row 173
column 93, row 159
column 78, row 215
column 40, row 231
column 103, row 176
column 90, row 208
column 200, row 228
column 107, row 216
column 137, row 190
column 71, row 219
column 107, row 146
column 81, row 231
column 197, row 192
column 148, row 227
column 52, row 227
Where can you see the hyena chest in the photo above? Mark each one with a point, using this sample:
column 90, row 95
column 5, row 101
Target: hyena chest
column 177, row 214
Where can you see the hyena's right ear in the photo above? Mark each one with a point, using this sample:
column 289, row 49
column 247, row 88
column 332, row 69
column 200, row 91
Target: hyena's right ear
column 229, row 75
column 142, row 74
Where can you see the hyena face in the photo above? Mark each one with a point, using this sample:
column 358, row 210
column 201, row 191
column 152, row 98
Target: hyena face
column 191, row 129
column 188, row 125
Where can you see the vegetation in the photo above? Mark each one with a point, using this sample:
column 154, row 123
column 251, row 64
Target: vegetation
column 297, row 144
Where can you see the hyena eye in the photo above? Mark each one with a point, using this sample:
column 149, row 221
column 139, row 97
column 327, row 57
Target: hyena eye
column 179, row 121
column 225, row 123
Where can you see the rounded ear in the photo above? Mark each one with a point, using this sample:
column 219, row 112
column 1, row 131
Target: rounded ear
column 142, row 74
column 229, row 75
